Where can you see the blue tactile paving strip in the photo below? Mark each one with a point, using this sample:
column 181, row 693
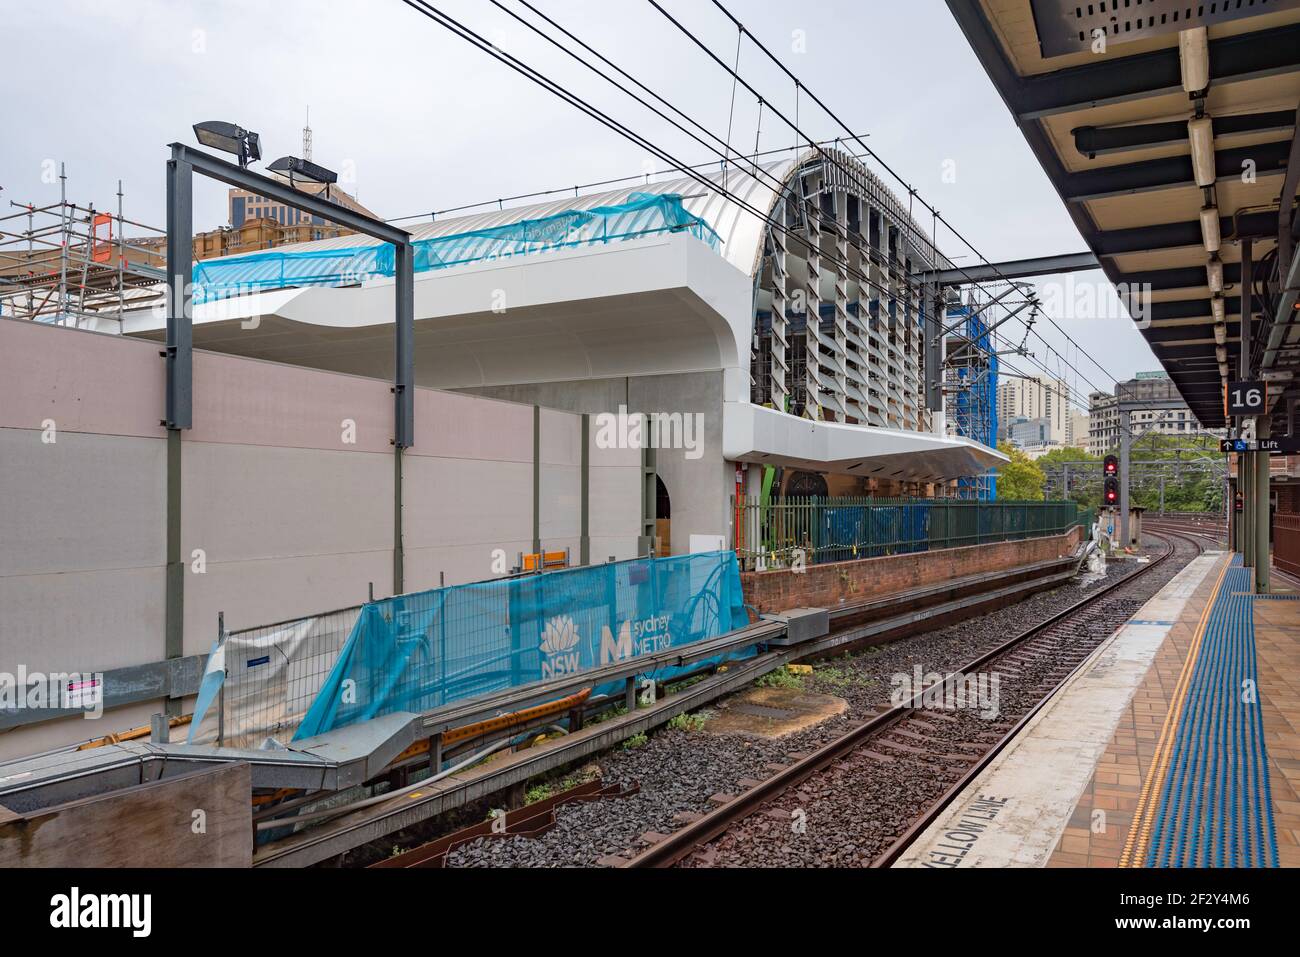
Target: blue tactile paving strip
column 1216, row 807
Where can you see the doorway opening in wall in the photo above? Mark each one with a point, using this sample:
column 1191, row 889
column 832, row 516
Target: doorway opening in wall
column 663, row 519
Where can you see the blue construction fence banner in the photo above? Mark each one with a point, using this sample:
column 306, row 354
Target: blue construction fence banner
column 644, row 214
column 421, row 651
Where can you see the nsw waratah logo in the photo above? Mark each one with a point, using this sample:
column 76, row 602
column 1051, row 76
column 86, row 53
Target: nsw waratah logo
column 559, row 641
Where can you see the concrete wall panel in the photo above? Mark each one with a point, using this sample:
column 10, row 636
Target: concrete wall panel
column 49, row 372
column 561, row 438
column 255, row 502
column 249, row 402
column 615, row 495
column 448, row 501
column 455, row 425
column 458, row 564
column 253, row 593
column 561, row 504
column 292, row 520
column 80, row 503
column 89, row 620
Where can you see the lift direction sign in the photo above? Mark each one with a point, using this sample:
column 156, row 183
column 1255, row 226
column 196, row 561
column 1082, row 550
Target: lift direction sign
column 1287, row 445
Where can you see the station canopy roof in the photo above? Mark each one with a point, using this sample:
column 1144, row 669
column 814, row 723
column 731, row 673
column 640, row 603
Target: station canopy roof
column 1111, row 124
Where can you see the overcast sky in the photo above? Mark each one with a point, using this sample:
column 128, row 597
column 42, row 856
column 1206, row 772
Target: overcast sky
column 427, row 122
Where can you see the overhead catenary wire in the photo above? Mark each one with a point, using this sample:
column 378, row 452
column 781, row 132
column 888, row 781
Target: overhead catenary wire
column 725, row 153
column 912, row 193
column 556, row 89
column 815, row 145
column 465, row 33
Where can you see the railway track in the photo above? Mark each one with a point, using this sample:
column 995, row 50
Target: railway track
column 1209, row 530
column 864, row 796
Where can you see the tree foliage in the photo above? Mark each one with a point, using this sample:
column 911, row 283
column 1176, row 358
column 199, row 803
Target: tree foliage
column 1186, row 488
column 1021, row 479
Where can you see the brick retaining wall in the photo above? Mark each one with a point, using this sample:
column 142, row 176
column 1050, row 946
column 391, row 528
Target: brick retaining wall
column 847, row 583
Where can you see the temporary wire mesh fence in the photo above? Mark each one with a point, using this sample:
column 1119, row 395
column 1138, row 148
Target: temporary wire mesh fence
column 818, row 530
column 420, row 651
column 644, row 214
column 264, row 679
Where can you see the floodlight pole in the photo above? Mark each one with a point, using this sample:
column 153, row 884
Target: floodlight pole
column 178, row 411
column 180, row 294
column 182, row 166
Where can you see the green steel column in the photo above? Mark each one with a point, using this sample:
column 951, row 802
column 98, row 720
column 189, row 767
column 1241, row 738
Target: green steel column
column 1246, row 483
column 1230, row 499
column 649, row 500
column 1262, row 515
column 174, row 627
column 537, row 479
column 584, row 535
column 399, row 552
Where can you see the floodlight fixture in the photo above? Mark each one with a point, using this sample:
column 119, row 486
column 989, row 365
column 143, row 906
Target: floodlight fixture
column 230, row 138
column 305, row 169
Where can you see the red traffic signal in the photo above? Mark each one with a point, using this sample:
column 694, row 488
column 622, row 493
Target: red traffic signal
column 1110, row 494
column 1110, row 466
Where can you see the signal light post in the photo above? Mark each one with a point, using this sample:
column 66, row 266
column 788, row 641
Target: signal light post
column 1110, row 492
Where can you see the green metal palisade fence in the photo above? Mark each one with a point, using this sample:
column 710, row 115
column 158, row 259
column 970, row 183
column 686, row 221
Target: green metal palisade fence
column 846, row 528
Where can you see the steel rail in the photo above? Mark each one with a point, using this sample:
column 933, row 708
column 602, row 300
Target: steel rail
column 686, row 840
column 932, row 813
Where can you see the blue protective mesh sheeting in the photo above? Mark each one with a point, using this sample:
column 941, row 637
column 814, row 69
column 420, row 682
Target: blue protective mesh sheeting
column 644, row 214
column 421, row 651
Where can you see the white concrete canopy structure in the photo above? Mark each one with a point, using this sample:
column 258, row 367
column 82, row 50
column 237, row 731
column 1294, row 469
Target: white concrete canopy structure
column 800, row 345
column 640, row 307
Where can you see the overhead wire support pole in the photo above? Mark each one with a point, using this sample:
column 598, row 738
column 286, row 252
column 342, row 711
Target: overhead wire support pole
column 991, row 329
column 979, row 312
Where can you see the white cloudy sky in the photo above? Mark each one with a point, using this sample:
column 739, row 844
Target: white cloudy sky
column 428, row 122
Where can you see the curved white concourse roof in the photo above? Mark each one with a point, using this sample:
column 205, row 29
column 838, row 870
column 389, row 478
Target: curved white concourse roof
column 764, row 436
column 739, row 229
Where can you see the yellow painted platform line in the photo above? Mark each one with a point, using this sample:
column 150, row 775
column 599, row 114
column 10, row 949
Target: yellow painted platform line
column 1139, row 832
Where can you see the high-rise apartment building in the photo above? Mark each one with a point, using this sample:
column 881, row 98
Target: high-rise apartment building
column 1039, row 398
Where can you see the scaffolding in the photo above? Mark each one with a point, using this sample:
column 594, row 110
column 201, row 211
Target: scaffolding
column 67, row 264
column 971, row 386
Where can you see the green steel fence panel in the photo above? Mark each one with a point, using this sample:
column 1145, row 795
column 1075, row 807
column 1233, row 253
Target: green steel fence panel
column 819, row 530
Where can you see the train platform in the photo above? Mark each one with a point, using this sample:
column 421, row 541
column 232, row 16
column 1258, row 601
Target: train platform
column 1176, row 744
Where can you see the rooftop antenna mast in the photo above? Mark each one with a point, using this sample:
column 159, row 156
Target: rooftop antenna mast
column 306, row 137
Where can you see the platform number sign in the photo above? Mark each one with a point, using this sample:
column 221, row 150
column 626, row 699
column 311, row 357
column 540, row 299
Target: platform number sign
column 1247, row 398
